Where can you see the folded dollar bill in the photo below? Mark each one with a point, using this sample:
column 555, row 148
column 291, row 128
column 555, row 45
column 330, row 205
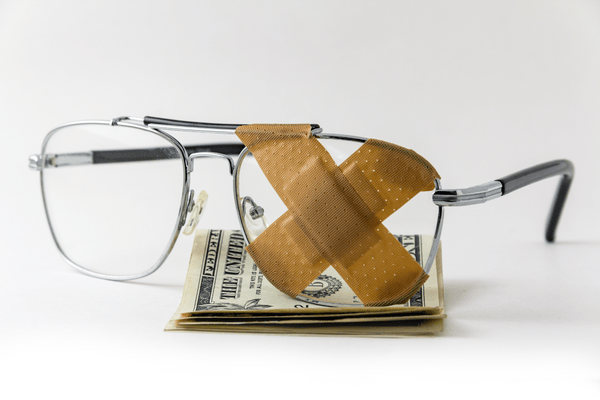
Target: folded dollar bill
column 225, row 291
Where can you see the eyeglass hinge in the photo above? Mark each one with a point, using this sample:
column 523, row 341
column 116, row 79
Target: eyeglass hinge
column 35, row 162
column 60, row 160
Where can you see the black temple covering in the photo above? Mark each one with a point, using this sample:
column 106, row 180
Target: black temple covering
column 203, row 125
column 520, row 179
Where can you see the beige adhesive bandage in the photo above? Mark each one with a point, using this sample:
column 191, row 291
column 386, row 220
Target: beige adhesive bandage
column 335, row 213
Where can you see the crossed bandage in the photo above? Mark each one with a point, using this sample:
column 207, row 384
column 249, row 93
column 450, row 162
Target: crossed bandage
column 335, row 213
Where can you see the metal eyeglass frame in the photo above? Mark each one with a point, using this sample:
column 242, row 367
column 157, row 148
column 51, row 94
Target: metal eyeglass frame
column 441, row 198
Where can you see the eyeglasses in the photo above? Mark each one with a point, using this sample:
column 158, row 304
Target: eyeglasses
column 117, row 192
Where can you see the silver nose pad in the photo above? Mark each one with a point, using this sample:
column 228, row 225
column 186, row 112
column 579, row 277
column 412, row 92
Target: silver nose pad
column 196, row 213
column 256, row 212
column 254, row 218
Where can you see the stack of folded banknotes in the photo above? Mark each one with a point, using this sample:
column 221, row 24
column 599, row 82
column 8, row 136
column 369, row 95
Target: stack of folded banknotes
column 224, row 291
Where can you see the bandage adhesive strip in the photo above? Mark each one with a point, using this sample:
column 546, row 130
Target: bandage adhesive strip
column 335, row 213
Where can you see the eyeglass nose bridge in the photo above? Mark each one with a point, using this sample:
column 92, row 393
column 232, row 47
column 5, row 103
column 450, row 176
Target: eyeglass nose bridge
column 207, row 154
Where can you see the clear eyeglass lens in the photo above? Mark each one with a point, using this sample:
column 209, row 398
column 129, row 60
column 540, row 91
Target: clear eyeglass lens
column 112, row 196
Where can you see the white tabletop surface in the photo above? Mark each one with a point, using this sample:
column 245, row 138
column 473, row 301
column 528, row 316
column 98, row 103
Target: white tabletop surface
column 480, row 89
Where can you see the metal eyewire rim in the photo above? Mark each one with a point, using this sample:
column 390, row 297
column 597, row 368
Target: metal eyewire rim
column 187, row 167
column 236, row 191
column 182, row 205
column 239, row 208
column 437, row 236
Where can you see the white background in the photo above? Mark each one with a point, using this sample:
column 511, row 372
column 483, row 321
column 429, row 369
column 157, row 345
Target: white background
column 481, row 89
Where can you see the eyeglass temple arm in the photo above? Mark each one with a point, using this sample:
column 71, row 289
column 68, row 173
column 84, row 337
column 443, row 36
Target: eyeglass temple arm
column 510, row 183
column 129, row 155
column 110, row 156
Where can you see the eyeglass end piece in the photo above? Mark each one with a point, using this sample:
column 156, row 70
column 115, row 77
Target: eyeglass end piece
column 469, row 196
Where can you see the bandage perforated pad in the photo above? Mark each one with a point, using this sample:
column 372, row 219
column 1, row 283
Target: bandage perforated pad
column 335, row 213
